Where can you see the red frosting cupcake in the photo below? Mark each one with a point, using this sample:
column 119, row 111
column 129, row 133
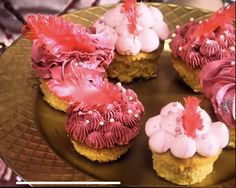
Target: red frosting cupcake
column 195, row 44
column 60, row 46
column 104, row 121
column 218, row 82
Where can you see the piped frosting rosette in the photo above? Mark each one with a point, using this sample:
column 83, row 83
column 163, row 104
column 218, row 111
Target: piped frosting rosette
column 57, row 43
column 198, row 43
column 135, row 27
column 218, row 82
column 105, row 115
column 186, row 130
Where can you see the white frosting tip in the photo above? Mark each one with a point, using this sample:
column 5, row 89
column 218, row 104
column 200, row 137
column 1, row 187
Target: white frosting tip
column 177, row 26
column 119, row 84
column 112, row 120
column 191, row 19
column 180, row 48
column 130, row 111
column 232, row 48
column 87, row 121
column 130, row 98
column 173, row 35
column 232, row 62
column 101, row 123
column 136, row 115
column 90, row 112
column 200, row 22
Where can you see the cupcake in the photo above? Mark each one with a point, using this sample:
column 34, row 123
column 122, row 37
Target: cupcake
column 59, row 48
column 104, row 121
column 197, row 43
column 185, row 142
column 217, row 79
column 139, row 32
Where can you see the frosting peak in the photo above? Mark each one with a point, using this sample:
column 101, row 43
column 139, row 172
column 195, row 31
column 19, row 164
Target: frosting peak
column 138, row 27
column 171, row 130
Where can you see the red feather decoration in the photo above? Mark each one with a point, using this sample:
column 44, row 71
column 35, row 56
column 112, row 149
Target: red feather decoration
column 219, row 18
column 130, row 10
column 57, row 33
column 191, row 118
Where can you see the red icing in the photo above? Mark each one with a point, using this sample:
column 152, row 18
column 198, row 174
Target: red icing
column 187, row 45
column 218, row 79
column 191, row 117
column 116, row 125
column 130, row 10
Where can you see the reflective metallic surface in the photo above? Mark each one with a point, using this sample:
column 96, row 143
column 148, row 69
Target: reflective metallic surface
column 34, row 142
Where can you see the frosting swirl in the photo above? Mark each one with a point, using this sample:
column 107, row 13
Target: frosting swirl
column 107, row 123
column 59, row 43
column 200, row 52
column 137, row 27
column 218, row 82
column 170, row 130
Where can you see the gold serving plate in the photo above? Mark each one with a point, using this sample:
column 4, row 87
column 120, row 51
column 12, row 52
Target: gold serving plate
column 33, row 139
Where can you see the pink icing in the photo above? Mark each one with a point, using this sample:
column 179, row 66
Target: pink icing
column 166, row 132
column 107, row 122
column 218, row 82
column 50, row 51
column 215, row 45
column 149, row 25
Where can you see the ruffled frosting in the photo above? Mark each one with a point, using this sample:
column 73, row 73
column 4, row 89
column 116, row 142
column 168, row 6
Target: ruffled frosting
column 166, row 132
column 106, row 125
column 218, row 82
column 49, row 51
column 215, row 45
column 150, row 29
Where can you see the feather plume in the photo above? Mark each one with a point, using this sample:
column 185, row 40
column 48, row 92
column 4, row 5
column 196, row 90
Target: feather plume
column 221, row 17
column 130, row 10
column 191, row 117
column 57, row 33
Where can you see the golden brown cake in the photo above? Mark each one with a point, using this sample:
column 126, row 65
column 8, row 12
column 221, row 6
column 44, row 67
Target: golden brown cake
column 126, row 68
column 184, row 142
column 100, row 155
column 183, row 171
column 195, row 44
column 103, row 124
column 188, row 74
column 52, row 99
column 138, row 31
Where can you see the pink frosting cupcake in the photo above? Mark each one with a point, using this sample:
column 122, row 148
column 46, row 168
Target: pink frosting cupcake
column 195, row 44
column 185, row 142
column 59, row 47
column 105, row 120
column 138, row 31
column 218, row 82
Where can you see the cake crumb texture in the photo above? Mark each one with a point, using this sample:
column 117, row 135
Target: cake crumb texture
column 100, row 155
column 143, row 65
column 189, row 75
column 183, row 171
column 51, row 98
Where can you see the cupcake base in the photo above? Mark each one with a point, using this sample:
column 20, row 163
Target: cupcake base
column 100, row 155
column 183, row 171
column 143, row 65
column 231, row 143
column 189, row 75
column 51, row 98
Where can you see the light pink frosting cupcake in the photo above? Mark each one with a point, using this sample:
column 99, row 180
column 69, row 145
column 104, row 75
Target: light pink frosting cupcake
column 186, row 131
column 149, row 28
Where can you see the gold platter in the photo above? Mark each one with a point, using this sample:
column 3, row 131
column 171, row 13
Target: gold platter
column 34, row 142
